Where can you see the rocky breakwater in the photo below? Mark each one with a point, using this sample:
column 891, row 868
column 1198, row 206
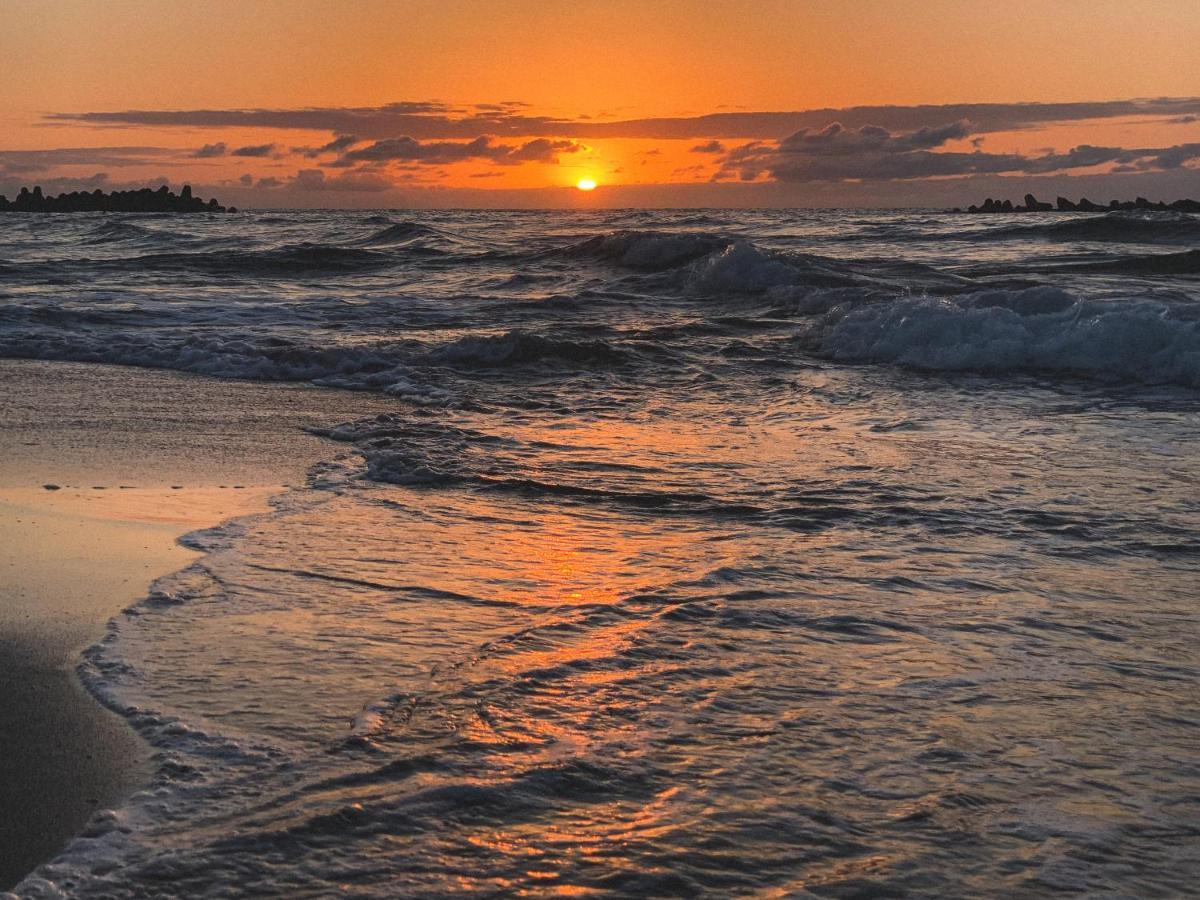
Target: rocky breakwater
column 143, row 200
column 1062, row 204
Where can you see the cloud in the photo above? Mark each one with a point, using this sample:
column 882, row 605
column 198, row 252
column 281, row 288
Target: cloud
column 503, row 106
column 208, row 151
column 540, row 150
column 408, row 149
column 317, row 180
column 873, row 153
column 257, row 150
column 247, row 180
column 1175, row 157
column 339, row 144
column 434, row 120
column 64, row 185
column 30, row 161
column 888, row 150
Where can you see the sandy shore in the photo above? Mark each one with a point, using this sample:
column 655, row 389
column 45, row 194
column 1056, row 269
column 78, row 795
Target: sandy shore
column 102, row 468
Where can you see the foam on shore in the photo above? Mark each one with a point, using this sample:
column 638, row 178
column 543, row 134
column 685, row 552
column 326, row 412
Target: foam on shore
column 102, row 470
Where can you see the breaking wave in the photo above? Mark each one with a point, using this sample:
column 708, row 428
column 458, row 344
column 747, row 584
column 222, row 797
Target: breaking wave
column 647, row 251
column 1039, row 330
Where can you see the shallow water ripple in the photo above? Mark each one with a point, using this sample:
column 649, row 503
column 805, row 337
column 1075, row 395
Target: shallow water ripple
column 700, row 554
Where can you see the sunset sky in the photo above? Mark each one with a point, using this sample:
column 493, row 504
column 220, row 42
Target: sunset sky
column 665, row 103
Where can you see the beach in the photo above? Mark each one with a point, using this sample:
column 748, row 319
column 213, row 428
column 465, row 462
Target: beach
column 102, row 469
column 635, row 553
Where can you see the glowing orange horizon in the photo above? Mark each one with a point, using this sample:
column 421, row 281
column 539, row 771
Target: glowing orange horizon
column 584, row 64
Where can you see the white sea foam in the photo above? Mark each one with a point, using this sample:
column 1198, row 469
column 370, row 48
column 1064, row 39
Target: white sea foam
column 1038, row 330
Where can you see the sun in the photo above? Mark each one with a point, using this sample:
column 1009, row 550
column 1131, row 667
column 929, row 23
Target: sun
column 586, row 184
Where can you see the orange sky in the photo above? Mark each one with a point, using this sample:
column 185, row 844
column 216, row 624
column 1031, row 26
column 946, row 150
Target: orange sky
column 607, row 61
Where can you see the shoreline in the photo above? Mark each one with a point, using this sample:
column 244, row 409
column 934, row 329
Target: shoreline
column 102, row 470
column 65, row 572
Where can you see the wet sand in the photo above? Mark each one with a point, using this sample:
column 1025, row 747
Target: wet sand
column 134, row 459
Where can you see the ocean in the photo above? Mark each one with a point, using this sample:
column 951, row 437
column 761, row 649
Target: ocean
column 725, row 553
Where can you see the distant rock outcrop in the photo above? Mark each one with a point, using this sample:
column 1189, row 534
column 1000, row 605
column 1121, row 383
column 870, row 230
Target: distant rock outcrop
column 1032, row 204
column 143, row 200
column 1062, row 204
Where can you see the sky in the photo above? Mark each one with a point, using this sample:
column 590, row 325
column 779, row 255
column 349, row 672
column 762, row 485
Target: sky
column 659, row 102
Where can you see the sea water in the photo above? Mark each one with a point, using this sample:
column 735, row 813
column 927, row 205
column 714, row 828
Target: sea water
column 701, row 553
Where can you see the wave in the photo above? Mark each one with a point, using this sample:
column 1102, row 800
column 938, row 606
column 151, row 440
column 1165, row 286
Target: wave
column 516, row 348
column 669, row 306
column 305, row 259
column 121, row 232
column 1038, row 330
column 742, row 268
column 296, row 259
column 400, row 234
column 405, row 368
column 245, row 356
column 1043, row 330
column 648, row 251
column 1186, row 262
column 1118, row 227
column 713, row 264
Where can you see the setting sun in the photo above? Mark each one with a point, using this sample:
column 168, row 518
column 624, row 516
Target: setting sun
column 586, row 184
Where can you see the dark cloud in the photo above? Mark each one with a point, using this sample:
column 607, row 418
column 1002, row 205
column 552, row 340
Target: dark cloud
column 20, row 166
column 209, row 151
column 504, row 106
column 67, row 183
column 541, row 150
column 873, row 153
column 408, row 149
column 710, row 147
column 438, row 121
column 1183, row 120
column 316, row 180
column 28, row 161
column 257, row 150
column 339, row 144
column 247, row 180
column 63, row 184
column 1174, row 157
column 270, row 182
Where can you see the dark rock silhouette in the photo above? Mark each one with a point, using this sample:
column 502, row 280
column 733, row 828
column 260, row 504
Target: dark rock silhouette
column 1062, row 204
column 143, row 200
